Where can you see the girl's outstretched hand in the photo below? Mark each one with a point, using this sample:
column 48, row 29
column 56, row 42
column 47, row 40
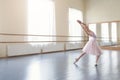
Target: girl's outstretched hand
column 79, row 21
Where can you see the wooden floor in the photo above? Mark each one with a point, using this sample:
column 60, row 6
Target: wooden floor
column 113, row 47
column 59, row 66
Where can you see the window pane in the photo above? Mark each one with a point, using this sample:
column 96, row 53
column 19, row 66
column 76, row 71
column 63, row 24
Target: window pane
column 74, row 27
column 114, row 31
column 41, row 19
column 105, row 32
column 92, row 27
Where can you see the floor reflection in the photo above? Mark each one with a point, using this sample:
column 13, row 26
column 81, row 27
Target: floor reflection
column 59, row 66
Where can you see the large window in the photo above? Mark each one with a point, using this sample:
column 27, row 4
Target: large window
column 41, row 19
column 105, row 32
column 92, row 27
column 114, row 31
column 74, row 27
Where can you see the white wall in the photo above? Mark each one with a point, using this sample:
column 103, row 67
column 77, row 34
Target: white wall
column 14, row 16
column 13, row 20
column 1, row 15
column 102, row 10
column 61, row 8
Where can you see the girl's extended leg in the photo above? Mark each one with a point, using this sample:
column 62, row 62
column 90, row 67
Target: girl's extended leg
column 97, row 58
column 77, row 59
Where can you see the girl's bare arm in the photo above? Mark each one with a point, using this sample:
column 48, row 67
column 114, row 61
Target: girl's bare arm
column 85, row 27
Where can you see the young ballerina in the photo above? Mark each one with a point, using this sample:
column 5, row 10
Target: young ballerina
column 91, row 46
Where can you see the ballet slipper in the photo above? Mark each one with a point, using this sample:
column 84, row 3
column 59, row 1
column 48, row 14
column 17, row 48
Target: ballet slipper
column 76, row 60
column 96, row 65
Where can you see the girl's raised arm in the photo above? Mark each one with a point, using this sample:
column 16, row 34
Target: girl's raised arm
column 85, row 27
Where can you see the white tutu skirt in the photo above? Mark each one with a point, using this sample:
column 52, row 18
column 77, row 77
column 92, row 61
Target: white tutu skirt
column 92, row 47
